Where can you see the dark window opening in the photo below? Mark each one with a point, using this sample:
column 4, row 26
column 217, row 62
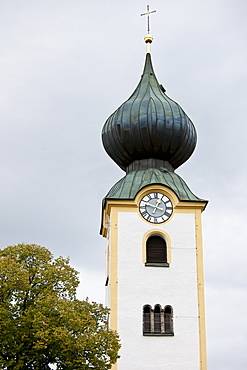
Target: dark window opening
column 156, row 251
column 168, row 319
column 157, row 321
column 147, row 319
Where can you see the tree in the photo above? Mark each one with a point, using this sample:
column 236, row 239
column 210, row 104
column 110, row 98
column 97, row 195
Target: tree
column 42, row 322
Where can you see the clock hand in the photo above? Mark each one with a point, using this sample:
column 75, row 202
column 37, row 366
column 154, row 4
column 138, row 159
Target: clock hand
column 149, row 204
column 157, row 203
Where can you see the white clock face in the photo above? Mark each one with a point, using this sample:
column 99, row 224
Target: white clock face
column 155, row 208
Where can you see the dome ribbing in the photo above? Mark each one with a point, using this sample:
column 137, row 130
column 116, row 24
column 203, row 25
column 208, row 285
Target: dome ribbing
column 149, row 125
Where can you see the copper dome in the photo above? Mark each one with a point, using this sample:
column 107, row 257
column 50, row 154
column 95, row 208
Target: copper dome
column 149, row 125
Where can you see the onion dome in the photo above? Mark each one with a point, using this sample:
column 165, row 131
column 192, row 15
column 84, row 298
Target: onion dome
column 149, row 128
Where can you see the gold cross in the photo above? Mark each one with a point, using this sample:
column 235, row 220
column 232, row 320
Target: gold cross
column 148, row 13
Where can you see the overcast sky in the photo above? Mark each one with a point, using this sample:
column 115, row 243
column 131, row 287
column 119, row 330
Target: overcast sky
column 66, row 65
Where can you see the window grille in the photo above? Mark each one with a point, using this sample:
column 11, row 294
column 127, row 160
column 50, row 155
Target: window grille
column 147, row 319
column 168, row 320
column 157, row 321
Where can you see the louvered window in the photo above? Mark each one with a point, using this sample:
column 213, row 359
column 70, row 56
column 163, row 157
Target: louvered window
column 156, row 251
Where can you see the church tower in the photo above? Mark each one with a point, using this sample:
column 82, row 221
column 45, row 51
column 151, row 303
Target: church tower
column 152, row 223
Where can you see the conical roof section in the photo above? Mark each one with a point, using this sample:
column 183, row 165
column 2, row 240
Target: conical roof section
column 149, row 126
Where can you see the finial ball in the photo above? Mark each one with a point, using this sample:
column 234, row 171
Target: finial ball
column 148, row 39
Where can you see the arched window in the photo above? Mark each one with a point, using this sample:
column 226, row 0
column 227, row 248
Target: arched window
column 147, row 319
column 156, row 251
column 157, row 321
column 168, row 319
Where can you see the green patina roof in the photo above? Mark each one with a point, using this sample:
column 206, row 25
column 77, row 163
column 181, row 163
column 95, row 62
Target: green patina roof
column 133, row 182
column 149, row 125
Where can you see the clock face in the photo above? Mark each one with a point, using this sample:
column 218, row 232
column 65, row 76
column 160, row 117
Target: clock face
column 155, row 208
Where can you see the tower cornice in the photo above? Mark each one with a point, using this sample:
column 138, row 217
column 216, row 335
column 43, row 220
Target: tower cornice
column 131, row 205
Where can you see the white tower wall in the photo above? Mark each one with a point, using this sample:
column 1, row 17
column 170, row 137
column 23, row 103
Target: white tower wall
column 138, row 285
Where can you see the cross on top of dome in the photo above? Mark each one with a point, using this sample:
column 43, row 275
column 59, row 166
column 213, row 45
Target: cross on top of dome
column 147, row 14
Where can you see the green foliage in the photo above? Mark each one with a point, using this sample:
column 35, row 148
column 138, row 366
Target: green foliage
column 42, row 322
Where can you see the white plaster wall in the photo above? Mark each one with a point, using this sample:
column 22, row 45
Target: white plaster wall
column 175, row 285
